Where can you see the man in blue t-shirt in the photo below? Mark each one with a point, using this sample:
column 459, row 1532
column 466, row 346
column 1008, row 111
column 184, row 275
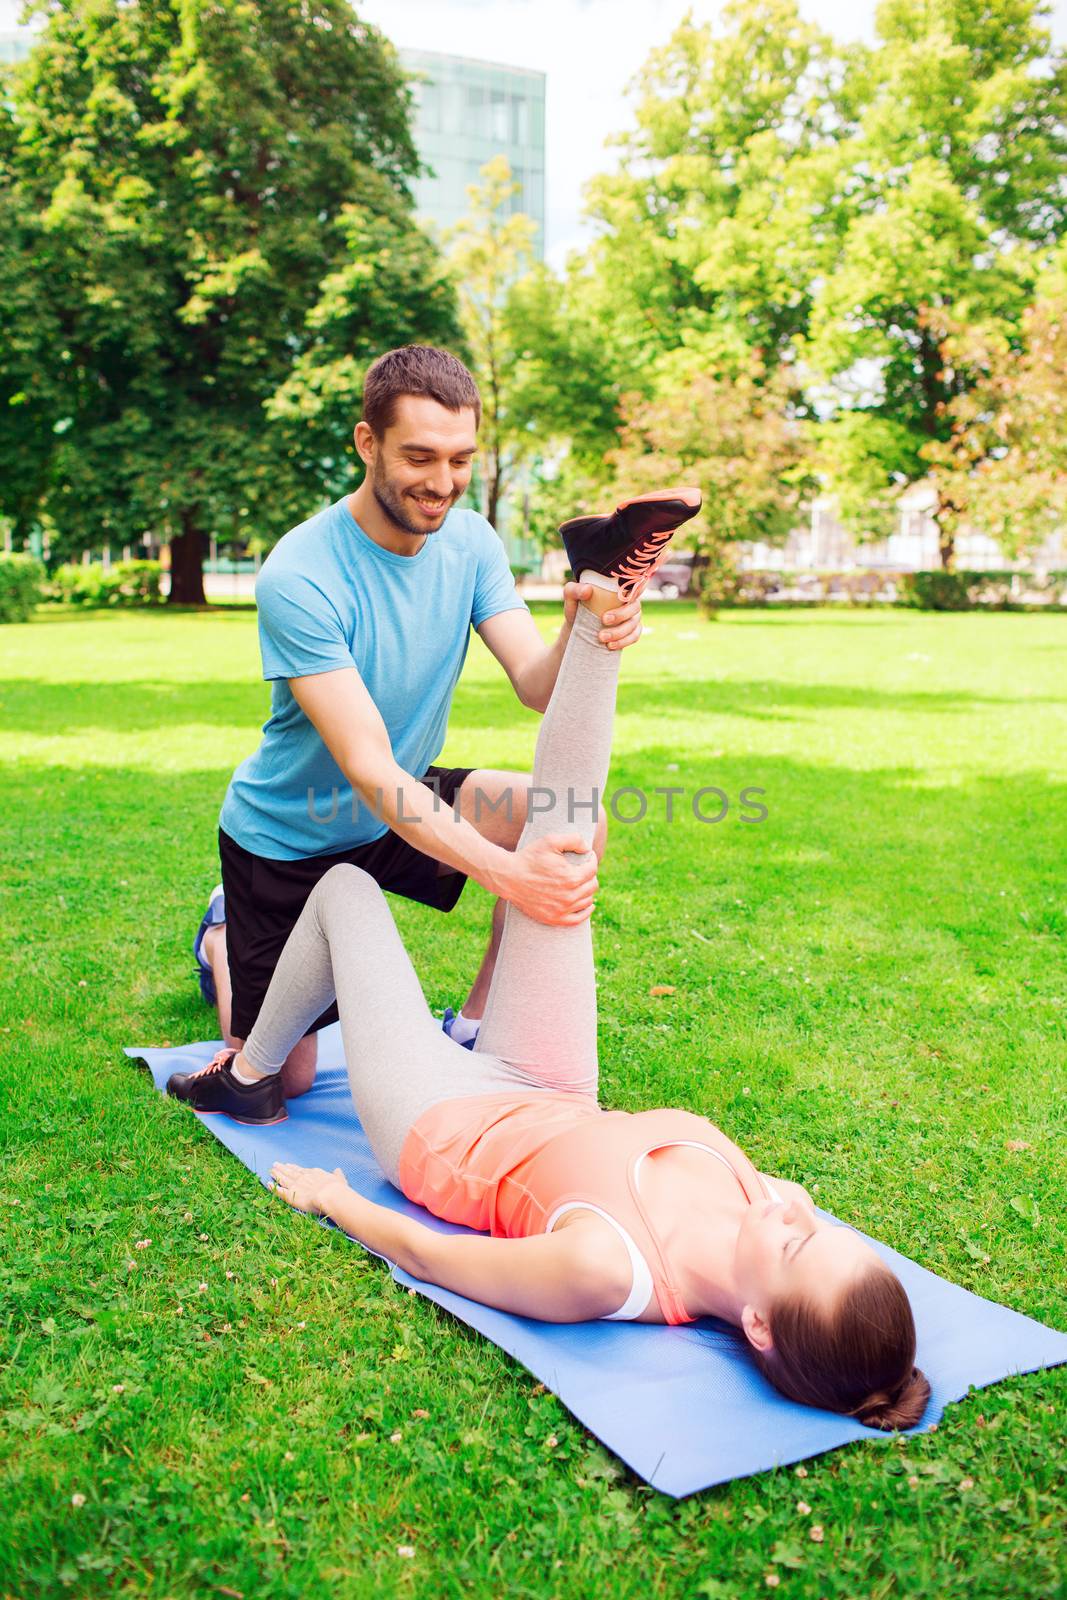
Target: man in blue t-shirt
column 365, row 613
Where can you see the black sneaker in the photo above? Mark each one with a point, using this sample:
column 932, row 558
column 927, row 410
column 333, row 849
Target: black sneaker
column 629, row 544
column 214, row 1089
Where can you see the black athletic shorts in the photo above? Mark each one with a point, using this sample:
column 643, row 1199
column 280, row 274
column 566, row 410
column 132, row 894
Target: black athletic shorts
column 265, row 897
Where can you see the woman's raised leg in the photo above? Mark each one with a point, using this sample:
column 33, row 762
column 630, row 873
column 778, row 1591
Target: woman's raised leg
column 346, row 944
column 541, row 1011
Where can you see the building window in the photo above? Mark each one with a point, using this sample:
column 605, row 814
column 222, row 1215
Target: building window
column 476, row 111
column 430, row 107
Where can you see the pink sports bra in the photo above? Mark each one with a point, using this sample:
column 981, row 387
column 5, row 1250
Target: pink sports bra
column 514, row 1167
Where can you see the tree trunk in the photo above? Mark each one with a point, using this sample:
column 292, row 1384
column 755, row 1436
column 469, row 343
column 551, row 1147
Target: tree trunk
column 186, row 564
column 492, row 488
column 945, row 515
column 946, row 549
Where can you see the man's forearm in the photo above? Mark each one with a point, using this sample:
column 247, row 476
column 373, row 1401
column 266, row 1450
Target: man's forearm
column 421, row 817
column 535, row 683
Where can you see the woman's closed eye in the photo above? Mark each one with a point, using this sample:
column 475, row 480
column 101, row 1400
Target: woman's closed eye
column 798, row 1241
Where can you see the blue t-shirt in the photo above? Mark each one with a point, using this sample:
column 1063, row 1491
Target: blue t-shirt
column 329, row 597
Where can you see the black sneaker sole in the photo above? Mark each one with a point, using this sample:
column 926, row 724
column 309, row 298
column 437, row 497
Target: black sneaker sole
column 247, row 1122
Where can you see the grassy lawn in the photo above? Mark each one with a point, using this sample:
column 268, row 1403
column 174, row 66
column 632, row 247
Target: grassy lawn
column 868, row 995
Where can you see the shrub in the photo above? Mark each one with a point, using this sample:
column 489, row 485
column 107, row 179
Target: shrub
column 21, row 587
column 962, row 591
column 77, row 585
column 134, row 583
column 127, row 583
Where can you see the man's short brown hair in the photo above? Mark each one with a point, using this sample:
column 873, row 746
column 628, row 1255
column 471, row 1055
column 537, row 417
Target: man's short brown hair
column 416, row 369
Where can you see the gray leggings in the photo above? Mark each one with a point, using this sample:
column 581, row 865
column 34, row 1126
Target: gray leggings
column 539, row 1029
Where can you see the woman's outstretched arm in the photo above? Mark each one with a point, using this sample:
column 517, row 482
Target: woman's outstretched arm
column 576, row 1274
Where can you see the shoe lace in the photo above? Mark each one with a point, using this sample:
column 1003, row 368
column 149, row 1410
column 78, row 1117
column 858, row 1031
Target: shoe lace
column 641, row 562
column 216, row 1064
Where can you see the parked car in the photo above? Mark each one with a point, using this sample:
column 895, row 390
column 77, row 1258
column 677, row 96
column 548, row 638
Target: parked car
column 671, row 580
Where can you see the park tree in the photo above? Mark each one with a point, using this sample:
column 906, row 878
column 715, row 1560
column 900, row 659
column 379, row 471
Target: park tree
column 719, row 215
column 214, row 178
column 954, row 184
column 29, row 401
column 733, row 435
column 1003, row 465
column 490, row 251
column 827, row 209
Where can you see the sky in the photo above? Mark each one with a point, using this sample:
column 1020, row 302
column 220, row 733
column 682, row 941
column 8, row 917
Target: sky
column 590, row 50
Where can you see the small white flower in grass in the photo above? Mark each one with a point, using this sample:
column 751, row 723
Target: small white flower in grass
column 288, row 1456
column 77, row 1500
column 406, row 1551
column 772, row 1580
column 202, row 1237
column 201, row 1288
column 231, row 1275
column 802, row 1472
column 913, row 1483
column 395, row 1438
column 551, row 1442
column 142, row 1244
column 803, row 1508
column 118, row 1388
column 966, row 1484
column 188, row 1217
column 82, row 984
column 420, row 1413
column 815, row 1532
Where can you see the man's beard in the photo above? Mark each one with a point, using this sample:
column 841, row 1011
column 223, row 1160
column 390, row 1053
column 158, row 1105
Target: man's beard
column 391, row 502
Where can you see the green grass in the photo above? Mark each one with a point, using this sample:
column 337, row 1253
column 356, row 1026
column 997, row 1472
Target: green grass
column 868, row 995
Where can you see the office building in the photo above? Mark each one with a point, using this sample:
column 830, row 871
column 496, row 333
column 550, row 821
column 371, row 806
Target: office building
column 467, row 112
column 14, row 47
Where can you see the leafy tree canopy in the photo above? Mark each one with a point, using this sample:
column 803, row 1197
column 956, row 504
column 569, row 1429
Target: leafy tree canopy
column 209, row 180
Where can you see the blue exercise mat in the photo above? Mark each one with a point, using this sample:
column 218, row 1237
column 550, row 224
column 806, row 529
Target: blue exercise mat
column 685, row 1407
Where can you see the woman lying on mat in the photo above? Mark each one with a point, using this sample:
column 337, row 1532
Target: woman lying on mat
column 651, row 1217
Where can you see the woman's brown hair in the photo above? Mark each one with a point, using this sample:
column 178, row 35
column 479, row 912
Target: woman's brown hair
column 858, row 1359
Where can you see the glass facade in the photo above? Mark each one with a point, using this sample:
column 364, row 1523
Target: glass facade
column 14, row 47
column 466, row 112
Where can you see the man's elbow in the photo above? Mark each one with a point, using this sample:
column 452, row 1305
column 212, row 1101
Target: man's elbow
column 532, row 699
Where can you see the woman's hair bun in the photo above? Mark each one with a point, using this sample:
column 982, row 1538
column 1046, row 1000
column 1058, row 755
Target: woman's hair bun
column 901, row 1408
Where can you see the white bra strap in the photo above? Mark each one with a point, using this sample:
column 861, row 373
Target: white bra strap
column 642, row 1287
column 693, row 1144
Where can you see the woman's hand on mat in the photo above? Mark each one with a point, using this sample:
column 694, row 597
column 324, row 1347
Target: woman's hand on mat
column 546, row 881
column 304, row 1187
column 620, row 626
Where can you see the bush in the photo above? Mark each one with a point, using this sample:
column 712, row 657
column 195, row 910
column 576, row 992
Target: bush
column 127, row 583
column 21, row 587
column 721, row 584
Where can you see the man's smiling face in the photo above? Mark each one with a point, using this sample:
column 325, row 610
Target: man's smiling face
column 422, row 464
